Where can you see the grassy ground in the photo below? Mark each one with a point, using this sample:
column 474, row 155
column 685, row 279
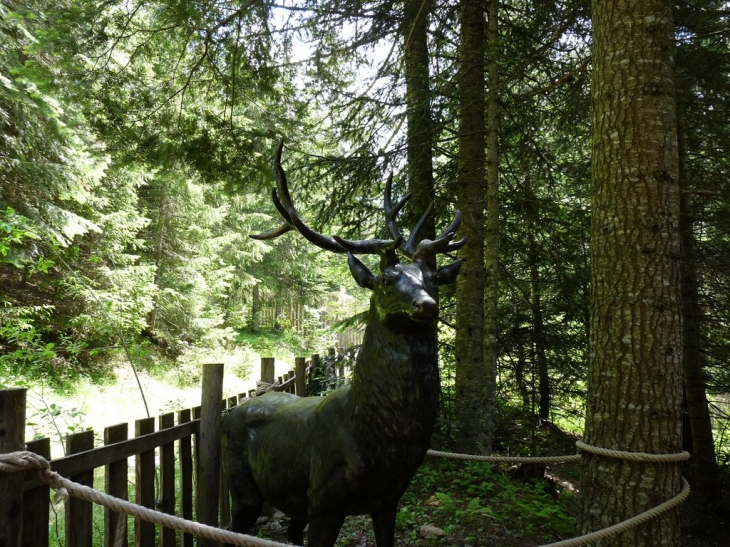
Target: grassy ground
column 97, row 406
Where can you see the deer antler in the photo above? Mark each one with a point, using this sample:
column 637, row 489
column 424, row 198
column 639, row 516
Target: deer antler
column 284, row 204
column 415, row 248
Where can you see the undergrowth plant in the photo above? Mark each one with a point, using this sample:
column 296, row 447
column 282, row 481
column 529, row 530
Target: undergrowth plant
column 473, row 500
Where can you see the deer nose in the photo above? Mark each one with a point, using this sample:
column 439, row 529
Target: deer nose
column 425, row 309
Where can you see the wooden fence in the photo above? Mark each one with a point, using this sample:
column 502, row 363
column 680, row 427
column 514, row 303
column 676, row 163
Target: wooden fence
column 172, row 466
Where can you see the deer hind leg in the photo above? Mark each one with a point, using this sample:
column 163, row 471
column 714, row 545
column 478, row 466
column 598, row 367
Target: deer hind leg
column 246, row 500
column 384, row 524
column 295, row 531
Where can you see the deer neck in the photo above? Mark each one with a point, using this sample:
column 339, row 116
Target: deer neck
column 395, row 388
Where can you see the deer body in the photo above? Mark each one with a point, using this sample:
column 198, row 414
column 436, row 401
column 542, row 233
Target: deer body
column 354, row 451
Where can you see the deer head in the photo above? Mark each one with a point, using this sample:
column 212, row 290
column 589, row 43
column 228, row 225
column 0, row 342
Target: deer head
column 403, row 294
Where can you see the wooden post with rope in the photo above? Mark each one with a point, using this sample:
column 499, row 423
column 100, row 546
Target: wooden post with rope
column 12, row 439
column 267, row 370
column 300, row 371
column 209, row 452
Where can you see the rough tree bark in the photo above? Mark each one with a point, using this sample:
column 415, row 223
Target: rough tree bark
column 635, row 346
column 470, row 195
column 491, row 241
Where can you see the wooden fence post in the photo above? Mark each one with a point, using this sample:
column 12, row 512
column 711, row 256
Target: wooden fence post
column 115, row 478
column 144, row 532
column 166, row 496
column 12, row 439
column 79, row 516
column 315, row 371
column 36, row 503
column 267, row 370
column 186, row 477
column 209, row 451
column 300, row 370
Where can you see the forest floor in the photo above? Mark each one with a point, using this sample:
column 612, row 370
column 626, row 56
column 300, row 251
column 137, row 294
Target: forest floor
column 462, row 504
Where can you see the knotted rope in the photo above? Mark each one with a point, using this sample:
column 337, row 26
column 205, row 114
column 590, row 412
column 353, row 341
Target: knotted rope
column 23, row 461
column 264, row 387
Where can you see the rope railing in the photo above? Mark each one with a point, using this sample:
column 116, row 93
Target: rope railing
column 28, row 461
column 585, row 447
column 504, row 459
column 25, row 461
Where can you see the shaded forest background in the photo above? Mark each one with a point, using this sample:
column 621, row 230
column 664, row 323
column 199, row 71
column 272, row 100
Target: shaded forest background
column 136, row 159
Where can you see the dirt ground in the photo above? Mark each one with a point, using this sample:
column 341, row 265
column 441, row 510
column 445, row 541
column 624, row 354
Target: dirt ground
column 703, row 528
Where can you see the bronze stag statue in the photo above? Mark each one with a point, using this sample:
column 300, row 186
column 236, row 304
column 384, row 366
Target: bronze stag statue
column 354, row 451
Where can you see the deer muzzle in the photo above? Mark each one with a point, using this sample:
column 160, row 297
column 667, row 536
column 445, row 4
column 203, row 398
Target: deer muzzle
column 424, row 309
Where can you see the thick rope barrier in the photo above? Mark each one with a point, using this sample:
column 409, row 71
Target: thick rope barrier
column 628, row 524
column 504, row 459
column 633, row 456
column 24, row 461
column 608, row 453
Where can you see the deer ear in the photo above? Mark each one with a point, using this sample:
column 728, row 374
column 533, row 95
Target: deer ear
column 360, row 272
column 447, row 274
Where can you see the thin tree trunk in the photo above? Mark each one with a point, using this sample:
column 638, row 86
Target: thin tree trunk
column 538, row 327
column 520, row 377
column 470, row 192
column 491, row 242
column 635, row 346
column 256, row 308
column 703, row 464
column 418, row 111
column 538, row 344
column 159, row 239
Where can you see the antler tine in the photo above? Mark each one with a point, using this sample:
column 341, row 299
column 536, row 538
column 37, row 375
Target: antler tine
column 285, row 205
column 443, row 243
column 279, row 207
column 284, row 228
column 455, row 246
column 391, row 212
column 453, row 226
column 412, row 244
column 370, row 246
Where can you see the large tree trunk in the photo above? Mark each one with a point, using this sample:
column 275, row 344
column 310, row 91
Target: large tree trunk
column 418, row 110
column 634, row 379
column 469, row 343
column 491, row 242
column 704, row 472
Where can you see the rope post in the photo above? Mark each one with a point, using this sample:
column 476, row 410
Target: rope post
column 300, row 370
column 12, row 439
column 315, row 371
column 267, row 370
column 209, row 453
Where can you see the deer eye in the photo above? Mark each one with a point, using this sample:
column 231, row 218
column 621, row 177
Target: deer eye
column 389, row 278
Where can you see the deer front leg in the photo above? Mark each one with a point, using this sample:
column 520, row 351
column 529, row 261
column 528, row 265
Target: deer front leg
column 295, row 531
column 384, row 524
column 324, row 529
